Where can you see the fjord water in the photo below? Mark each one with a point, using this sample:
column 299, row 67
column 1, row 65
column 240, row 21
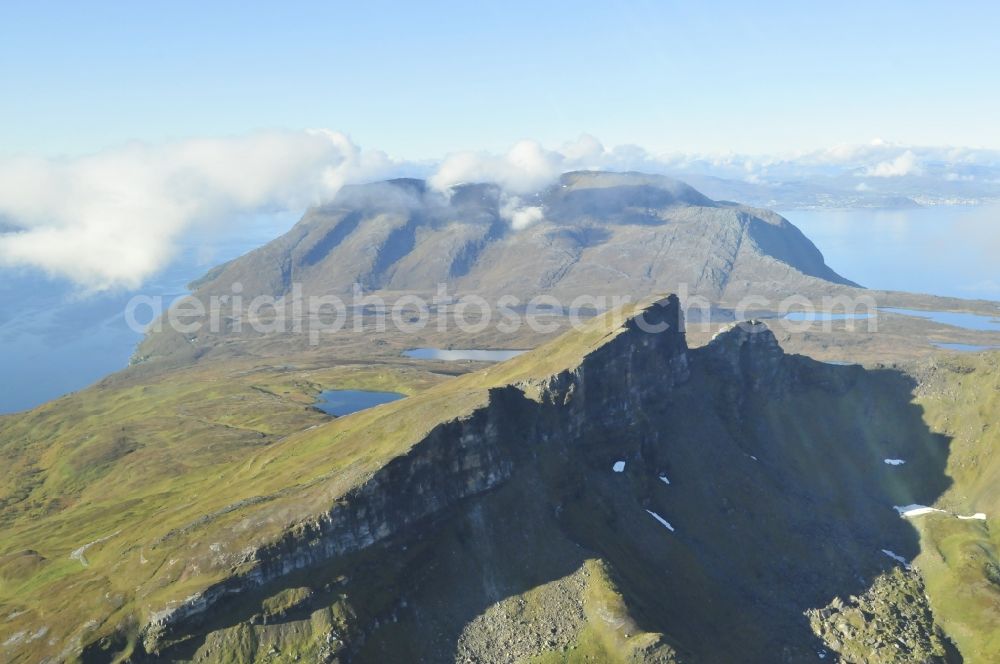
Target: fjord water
column 344, row 402
column 55, row 339
column 955, row 319
column 948, row 250
column 977, row 322
column 964, row 348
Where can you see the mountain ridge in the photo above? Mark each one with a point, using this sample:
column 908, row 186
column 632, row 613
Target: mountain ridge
column 528, row 509
column 508, row 477
column 598, row 233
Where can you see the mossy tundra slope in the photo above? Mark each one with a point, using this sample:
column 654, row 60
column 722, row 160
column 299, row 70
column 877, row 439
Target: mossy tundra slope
column 208, row 513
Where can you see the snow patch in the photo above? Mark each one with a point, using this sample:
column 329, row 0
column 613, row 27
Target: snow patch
column 78, row 554
column 619, row 467
column 42, row 631
column 898, row 558
column 906, row 511
column 894, row 462
column 664, row 522
column 919, row 510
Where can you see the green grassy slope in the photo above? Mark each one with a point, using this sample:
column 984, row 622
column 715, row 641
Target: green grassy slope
column 108, row 493
column 779, row 498
column 960, row 559
column 113, row 469
column 137, row 493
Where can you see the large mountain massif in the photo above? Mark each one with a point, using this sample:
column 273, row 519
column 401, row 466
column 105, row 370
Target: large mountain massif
column 588, row 239
column 592, row 233
column 616, row 494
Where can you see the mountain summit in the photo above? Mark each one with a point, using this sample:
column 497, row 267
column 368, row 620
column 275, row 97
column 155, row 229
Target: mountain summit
column 592, row 233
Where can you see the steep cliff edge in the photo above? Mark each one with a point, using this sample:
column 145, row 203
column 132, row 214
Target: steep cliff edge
column 636, row 473
column 613, row 495
column 462, row 458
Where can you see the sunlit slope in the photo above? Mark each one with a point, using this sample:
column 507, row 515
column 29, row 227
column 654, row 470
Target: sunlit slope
column 108, row 494
column 595, row 233
column 132, row 503
column 960, row 559
column 721, row 492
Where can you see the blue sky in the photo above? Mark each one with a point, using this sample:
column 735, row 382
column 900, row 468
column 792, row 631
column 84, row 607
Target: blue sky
column 419, row 80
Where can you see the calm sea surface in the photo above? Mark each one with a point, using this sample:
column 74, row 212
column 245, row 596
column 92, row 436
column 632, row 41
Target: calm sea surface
column 944, row 250
column 54, row 341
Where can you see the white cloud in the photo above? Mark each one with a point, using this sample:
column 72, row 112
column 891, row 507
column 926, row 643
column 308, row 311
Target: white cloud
column 957, row 177
column 525, row 168
column 519, row 215
column 528, row 167
column 112, row 219
column 584, row 149
column 904, row 164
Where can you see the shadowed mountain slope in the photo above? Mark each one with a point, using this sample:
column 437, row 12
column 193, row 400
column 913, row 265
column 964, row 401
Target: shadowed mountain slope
column 591, row 241
column 595, row 234
column 485, row 518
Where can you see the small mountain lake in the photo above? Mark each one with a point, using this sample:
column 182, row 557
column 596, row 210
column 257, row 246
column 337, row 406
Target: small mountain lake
column 454, row 354
column 799, row 316
column 979, row 322
column 964, row 348
column 344, row 402
column 968, row 321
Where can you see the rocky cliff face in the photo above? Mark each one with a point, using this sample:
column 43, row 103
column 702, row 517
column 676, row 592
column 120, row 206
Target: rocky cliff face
column 594, row 238
column 721, row 494
column 594, row 234
column 890, row 622
column 461, row 459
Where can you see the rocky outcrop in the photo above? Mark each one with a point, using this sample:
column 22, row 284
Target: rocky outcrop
column 456, row 460
column 747, row 351
column 891, row 623
column 460, row 459
column 727, row 489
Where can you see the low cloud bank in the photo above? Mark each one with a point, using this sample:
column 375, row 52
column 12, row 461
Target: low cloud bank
column 904, row 164
column 528, row 167
column 113, row 219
